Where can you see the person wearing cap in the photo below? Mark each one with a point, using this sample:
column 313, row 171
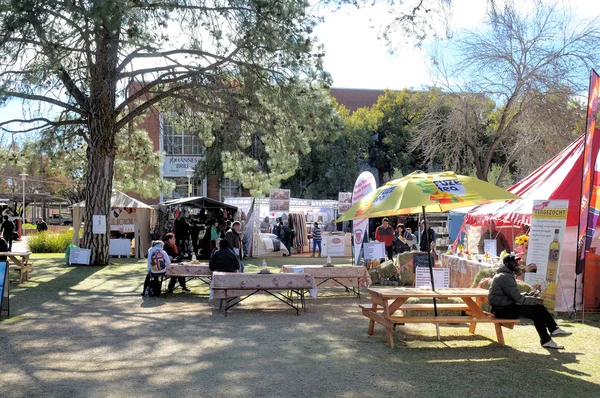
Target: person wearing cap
column 385, row 233
column 508, row 303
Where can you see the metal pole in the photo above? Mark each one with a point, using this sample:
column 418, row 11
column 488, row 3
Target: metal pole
column 23, row 175
column 189, row 173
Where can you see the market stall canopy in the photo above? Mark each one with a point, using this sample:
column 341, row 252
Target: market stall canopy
column 120, row 201
column 558, row 178
column 200, row 202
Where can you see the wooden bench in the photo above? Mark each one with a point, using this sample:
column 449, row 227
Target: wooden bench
column 23, row 270
column 489, row 318
column 424, row 307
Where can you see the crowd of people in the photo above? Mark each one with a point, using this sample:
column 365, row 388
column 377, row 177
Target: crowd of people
column 402, row 239
column 226, row 255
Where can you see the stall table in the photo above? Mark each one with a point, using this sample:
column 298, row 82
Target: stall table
column 463, row 271
column 386, row 301
column 350, row 277
column 232, row 288
column 189, row 271
column 20, row 263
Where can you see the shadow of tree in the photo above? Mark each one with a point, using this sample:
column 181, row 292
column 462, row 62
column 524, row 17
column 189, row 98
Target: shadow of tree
column 86, row 331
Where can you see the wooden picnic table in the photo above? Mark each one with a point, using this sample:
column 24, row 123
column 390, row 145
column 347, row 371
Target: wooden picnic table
column 348, row 276
column 386, row 301
column 20, row 262
column 234, row 287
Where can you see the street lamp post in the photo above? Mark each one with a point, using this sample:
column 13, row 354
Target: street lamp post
column 190, row 173
column 23, row 175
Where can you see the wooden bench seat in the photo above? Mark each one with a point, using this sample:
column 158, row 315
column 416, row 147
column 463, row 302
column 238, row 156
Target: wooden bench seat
column 424, row 307
column 23, row 270
column 450, row 319
column 498, row 322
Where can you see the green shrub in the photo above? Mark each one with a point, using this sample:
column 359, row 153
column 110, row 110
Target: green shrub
column 49, row 242
column 29, row 226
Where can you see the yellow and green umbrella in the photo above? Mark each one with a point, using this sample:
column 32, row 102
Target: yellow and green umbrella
column 428, row 193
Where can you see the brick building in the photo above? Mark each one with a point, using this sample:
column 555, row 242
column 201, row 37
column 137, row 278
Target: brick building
column 183, row 150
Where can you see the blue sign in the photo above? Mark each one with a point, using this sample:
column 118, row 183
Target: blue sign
column 3, row 286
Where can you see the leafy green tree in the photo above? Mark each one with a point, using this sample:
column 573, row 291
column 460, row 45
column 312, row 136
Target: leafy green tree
column 105, row 63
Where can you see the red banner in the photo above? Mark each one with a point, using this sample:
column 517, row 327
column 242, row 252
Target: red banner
column 588, row 166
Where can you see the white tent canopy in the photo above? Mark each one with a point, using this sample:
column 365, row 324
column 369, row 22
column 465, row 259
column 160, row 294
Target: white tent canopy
column 122, row 205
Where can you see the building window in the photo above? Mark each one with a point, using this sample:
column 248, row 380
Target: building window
column 181, row 188
column 229, row 188
column 180, row 142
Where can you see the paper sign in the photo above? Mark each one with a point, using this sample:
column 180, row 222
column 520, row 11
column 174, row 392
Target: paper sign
column 298, row 270
column 374, row 250
column 489, row 247
column 99, row 224
column 79, row 256
column 441, row 277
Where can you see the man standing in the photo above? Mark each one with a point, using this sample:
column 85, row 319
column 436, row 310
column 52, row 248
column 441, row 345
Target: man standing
column 508, row 303
column 424, row 244
column 316, row 237
column 265, row 225
column 182, row 231
column 234, row 237
column 40, row 225
column 6, row 230
column 385, row 233
column 493, row 233
column 330, row 227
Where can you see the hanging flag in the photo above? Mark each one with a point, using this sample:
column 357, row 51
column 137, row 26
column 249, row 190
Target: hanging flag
column 365, row 183
column 588, row 166
column 594, row 210
column 459, row 237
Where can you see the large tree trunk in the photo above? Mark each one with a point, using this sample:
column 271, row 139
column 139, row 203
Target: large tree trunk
column 98, row 188
column 101, row 148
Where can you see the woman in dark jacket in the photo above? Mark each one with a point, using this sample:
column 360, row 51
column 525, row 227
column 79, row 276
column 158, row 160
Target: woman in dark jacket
column 171, row 249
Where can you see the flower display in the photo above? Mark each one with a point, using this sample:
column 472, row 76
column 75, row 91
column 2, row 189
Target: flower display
column 522, row 240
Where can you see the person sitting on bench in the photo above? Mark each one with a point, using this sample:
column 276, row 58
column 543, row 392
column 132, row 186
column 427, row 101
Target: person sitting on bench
column 224, row 259
column 508, row 303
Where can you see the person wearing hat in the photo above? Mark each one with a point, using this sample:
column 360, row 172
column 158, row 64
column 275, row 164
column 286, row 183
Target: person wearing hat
column 508, row 303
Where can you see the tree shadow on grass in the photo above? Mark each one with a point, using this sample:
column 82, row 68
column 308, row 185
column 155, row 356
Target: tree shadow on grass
column 90, row 334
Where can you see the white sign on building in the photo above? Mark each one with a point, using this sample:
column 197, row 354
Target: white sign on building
column 175, row 166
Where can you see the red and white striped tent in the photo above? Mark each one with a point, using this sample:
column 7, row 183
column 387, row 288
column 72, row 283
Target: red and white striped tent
column 558, row 178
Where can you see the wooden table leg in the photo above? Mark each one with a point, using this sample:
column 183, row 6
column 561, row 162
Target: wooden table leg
column 389, row 335
column 499, row 333
column 372, row 322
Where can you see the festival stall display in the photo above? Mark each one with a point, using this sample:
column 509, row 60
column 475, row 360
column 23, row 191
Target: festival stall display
column 195, row 215
column 129, row 222
column 300, row 218
column 557, row 179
